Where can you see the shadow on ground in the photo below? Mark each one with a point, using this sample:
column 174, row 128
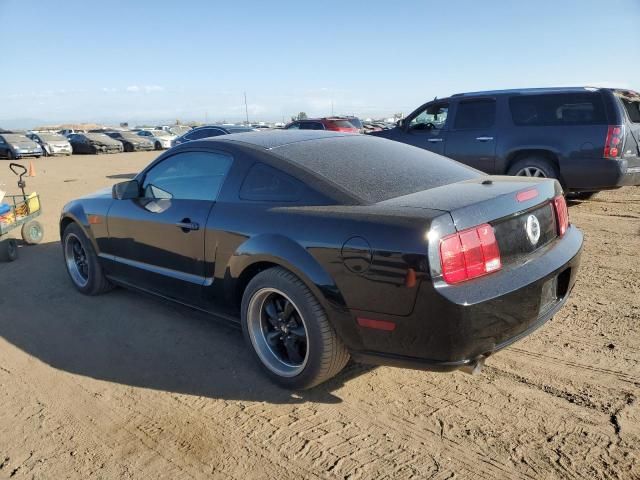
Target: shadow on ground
column 131, row 338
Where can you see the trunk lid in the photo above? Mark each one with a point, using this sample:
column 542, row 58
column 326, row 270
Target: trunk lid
column 493, row 200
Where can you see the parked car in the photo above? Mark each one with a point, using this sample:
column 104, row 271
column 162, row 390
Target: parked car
column 587, row 138
column 177, row 130
column 52, row 143
column 94, row 143
column 210, row 131
column 132, row 142
column 14, row 145
column 334, row 124
column 68, row 131
column 416, row 261
column 161, row 138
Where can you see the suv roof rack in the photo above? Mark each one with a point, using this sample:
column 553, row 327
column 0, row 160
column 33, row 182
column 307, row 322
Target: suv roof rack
column 525, row 90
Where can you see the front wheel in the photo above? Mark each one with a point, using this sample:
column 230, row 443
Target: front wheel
column 11, row 155
column 82, row 263
column 158, row 146
column 288, row 331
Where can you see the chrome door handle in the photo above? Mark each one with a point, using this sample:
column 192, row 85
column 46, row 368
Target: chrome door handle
column 484, row 139
column 434, row 140
column 187, row 225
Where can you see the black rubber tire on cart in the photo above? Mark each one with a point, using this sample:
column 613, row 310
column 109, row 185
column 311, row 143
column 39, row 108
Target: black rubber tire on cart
column 288, row 331
column 32, row 232
column 8, row 250
column 82, row 262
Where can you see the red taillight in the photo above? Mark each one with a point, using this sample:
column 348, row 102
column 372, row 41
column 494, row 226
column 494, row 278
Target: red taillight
column 469, row 254
column 613, row 142
column 562, row 214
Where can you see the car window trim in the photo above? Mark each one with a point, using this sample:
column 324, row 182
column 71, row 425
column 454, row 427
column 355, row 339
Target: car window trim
column 433, row 103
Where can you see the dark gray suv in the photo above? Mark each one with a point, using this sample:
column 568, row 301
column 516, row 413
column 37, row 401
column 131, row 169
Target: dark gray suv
column 587, row 138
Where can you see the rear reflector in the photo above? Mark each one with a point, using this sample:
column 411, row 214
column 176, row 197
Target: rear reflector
column 562, row 214
column 613, row 142
column 527, row 195
column 469, row 254
column 376, row 324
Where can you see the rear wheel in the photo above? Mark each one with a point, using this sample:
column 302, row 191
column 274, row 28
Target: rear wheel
column 536, row 167
column 128, row 147
column 8, row 250
column 288, row 331
column 10, row 155
column 158, row 146
column 82, row 263
column 582, row 195
column 32, row 232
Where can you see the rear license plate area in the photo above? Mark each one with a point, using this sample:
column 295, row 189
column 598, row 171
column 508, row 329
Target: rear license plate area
column 549, row 294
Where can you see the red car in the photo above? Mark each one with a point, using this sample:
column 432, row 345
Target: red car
column 327, row 123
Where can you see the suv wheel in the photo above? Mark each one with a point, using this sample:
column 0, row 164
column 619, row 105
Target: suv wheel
column 288, row 331
column 538, row 167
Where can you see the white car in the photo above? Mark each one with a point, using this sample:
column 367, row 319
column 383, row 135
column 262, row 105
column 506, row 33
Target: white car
column 160, row 138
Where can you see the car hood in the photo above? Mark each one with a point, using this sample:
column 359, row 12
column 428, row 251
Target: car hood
column 25, row 144
column 102, row 193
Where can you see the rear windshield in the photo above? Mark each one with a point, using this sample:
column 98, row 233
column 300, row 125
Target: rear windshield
column 374, row 169
column 343, row 123
column 558, row 109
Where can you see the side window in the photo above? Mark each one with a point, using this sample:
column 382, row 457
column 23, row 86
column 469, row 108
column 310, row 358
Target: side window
column 294, row 126
column 311, row 126
column 187, row 176
column 265, row 183
column 475, row 114
column 434, row 117
column 557, row 109
column 2, row 140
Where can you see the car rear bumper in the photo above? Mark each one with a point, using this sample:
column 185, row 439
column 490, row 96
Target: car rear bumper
column 452, row 326
column 599, row 174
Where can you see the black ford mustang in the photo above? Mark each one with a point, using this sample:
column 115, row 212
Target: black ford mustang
column 325, row 246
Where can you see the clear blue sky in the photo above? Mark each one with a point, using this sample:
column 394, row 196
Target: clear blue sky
column 144, row 60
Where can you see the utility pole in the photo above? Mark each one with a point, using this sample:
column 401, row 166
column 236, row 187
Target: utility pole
column 246, row 109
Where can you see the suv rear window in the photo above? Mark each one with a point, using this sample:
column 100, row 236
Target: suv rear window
column 558, row 109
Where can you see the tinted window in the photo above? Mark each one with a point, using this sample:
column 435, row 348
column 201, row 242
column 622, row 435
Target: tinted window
column 294, row 126
column 314, row 126
column 558, row 109
column 187, row 176
column 204, row 133
column 475, row 114
column 633, row 109
column 268, row 184
column 343, row 123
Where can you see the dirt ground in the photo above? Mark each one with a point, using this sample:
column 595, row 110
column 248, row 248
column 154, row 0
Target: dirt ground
column 128, row 386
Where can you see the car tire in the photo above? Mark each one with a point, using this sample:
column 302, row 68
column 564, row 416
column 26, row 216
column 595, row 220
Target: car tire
column 316, row 358
column 534, row 166
column 128, row 148
column 158, row 146
column 82, row 263
column 32, row 232
column 10, row 155
column 8, row 250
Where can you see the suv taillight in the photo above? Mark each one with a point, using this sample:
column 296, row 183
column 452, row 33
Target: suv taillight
column 469, row 254
column 613, row 142
column 562, row 214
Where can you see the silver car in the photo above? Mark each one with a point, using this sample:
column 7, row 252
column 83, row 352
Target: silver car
column 52, row 143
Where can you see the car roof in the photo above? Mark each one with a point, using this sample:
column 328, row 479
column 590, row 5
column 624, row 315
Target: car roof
column 512, row 91
column 277, row 138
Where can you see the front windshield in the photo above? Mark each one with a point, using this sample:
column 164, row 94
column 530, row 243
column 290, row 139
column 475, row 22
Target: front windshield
column 13, row 137
column 101, row 137
column 51, row 137
column 430, row 118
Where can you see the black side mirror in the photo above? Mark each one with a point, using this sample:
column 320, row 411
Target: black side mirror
column 126, row 190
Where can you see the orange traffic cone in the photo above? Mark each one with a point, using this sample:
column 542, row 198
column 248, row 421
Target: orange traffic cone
column 32, row 169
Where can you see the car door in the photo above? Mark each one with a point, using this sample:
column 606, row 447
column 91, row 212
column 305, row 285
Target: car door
column 472, row 137
column 425, row 128
column 157, row 241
